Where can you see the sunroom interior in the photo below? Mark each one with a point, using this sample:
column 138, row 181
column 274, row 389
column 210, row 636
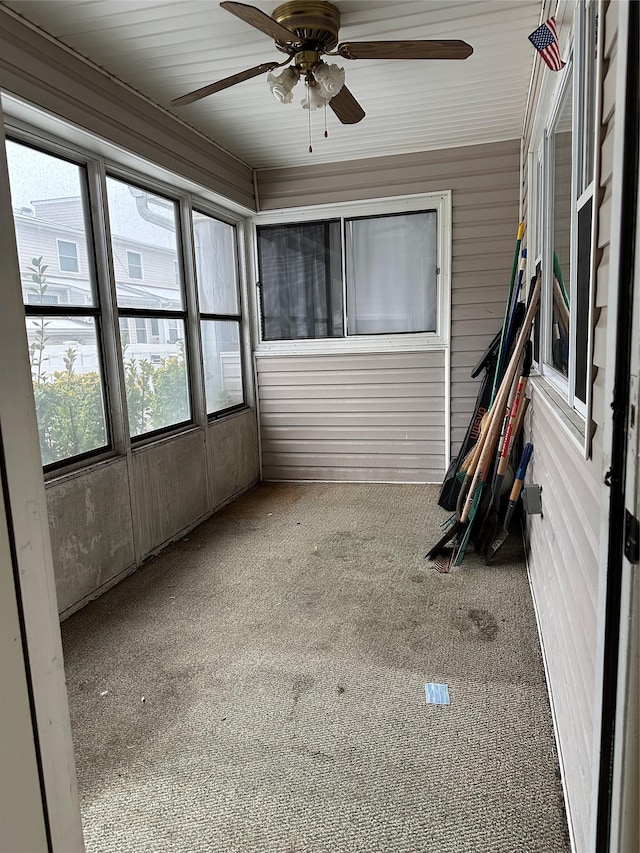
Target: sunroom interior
column 244, row 335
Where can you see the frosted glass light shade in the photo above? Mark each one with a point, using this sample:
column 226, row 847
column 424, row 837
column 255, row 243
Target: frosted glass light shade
column 315, row 98
column 330, row 79
column 282, row 84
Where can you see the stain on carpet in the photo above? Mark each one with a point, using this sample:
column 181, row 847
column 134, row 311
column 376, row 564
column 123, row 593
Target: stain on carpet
column 477, row 623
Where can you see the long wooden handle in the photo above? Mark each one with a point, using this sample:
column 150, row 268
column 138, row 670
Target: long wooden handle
column 513, row 417
column 506, row 419
column 519, row 419
column 482, row 468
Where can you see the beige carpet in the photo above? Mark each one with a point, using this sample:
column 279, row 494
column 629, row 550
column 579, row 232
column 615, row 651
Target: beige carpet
column 260, row 687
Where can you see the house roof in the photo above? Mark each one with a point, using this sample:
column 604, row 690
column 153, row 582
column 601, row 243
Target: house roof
column 166, row 48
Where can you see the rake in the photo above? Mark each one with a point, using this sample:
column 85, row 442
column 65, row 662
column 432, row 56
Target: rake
column 461, row 527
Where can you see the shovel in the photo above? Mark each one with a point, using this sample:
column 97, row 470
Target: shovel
column 513, row 500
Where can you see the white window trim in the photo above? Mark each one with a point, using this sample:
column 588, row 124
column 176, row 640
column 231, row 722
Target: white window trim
column 560, row 382
column 70, row 243
column 404, row 342
column 593, row 267
column 553, row 90
column 131, row 277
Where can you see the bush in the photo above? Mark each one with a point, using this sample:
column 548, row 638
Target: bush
column 70, row 415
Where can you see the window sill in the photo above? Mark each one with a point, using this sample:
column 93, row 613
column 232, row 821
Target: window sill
column 355, row 344
column 79, row 469
column 142, row 443
column 227, row 414
column 570, row 420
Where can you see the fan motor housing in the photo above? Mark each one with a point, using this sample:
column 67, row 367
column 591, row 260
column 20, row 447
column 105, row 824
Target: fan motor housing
column 315, row 22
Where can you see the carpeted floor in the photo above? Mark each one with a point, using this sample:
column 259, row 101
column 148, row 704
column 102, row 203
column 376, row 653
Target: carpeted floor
column 259, row 686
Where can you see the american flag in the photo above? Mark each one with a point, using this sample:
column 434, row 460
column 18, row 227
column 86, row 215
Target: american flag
column 545, row 41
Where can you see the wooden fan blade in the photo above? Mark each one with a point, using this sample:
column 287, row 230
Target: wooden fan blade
column 346, row 107
column 447, row 49
column 212, row 88
column 261, row 21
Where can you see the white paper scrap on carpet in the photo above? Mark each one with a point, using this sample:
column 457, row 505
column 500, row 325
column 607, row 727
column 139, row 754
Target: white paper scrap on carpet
column 437, row 694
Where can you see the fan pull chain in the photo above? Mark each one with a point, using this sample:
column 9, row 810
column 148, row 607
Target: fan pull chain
column 326, row 132
column 310, row 146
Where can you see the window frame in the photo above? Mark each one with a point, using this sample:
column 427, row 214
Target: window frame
column 204, row 316
column 382, row 342
column 124, row 175
column 540, row 207
column 90, row 165
column 27, row 126
column 561, row 383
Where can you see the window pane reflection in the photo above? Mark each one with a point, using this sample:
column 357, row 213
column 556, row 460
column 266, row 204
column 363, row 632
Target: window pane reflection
column 67, row 386
column 144, row 245
column 222, row 364
column 216, row 265
column 48, row 200
column 559, row 344
column 155, row 371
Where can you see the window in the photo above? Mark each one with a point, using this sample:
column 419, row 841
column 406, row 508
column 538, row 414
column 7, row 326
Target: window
column 562, row 213
column 134, row 264
column 560, row 149
column 141, row 331
column 391, row 264
column 376, row 273
column 62, row 325
column 117, row 334
column 155, row 361
column 300, row 271
column 220, row 318
column 68, row 256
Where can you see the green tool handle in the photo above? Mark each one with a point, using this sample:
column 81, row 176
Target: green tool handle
column 516, row 256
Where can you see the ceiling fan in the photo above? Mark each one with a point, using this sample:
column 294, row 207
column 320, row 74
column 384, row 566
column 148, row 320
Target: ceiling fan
column 306, row 30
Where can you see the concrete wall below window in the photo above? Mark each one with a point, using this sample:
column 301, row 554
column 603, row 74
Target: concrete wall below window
column 107, row 519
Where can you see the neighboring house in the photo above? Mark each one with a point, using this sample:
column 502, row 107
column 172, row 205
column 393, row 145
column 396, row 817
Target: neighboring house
column 315, row 399
column 54, row 230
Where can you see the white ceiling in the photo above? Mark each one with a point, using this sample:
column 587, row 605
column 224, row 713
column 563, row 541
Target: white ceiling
column 165, row 48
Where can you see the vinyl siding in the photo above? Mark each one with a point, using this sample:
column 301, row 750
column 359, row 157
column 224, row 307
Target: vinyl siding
column 563, row 564
column 158, row 264
column 359, row 417
column 485, row 184
column 39, row 239
column 564, row 542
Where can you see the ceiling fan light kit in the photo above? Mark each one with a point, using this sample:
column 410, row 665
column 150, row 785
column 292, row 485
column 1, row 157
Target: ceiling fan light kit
column 306, row 30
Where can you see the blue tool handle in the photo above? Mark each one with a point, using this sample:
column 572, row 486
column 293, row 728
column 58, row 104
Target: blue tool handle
column 524, row 461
